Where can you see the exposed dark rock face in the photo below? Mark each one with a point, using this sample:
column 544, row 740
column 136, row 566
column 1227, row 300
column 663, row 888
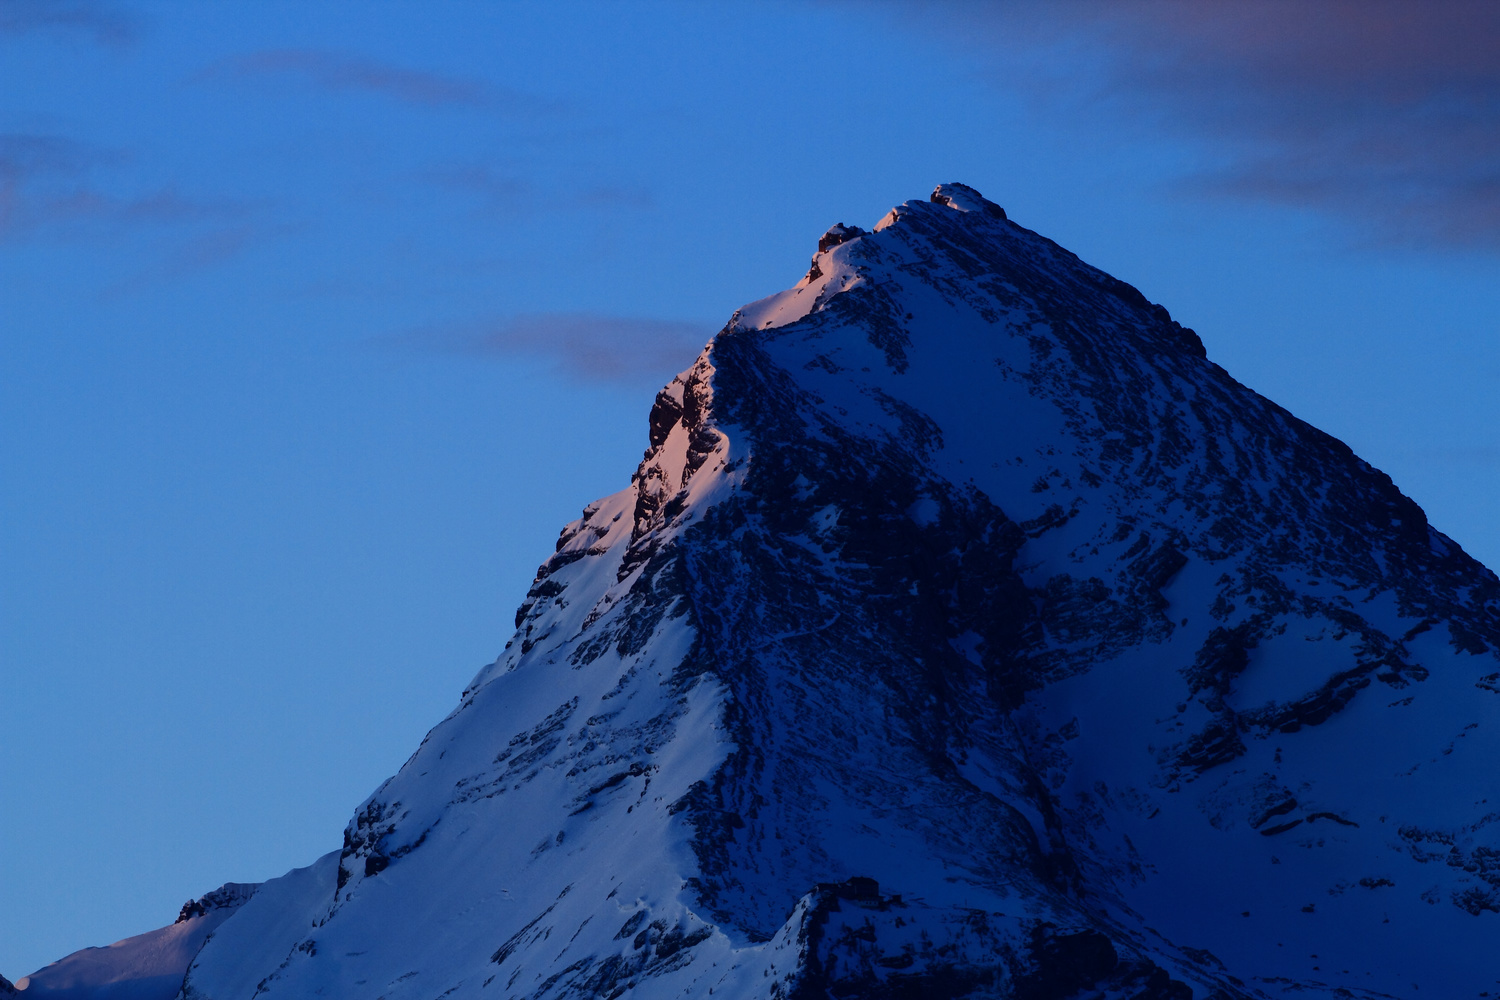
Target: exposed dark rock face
column 855, row 943
column 226, row 897
column 838, row 234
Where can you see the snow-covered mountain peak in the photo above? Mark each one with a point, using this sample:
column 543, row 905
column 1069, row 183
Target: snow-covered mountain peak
column 964, row 631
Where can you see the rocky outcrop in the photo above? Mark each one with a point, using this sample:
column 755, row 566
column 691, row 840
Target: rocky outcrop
column 854, row 942
column 228, row 896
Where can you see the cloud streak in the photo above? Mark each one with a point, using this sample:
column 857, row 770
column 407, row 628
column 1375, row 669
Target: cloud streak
column 101, row 22
column 49, row 190
column 86, row 210
column 24, row 156
column 48, row 181
column 1385, row 113
column 40, row 175
column 347, row 73
column 586, row 346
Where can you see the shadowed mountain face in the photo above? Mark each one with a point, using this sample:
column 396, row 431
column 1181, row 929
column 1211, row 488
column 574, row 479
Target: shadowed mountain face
column 963, row 632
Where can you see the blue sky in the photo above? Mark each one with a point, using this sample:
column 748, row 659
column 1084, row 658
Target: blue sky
column 318, row 321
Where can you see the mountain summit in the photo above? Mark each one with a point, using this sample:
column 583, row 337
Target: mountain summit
column 963, row 632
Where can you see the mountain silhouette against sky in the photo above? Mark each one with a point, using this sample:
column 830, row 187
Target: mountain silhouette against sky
column 964, row 631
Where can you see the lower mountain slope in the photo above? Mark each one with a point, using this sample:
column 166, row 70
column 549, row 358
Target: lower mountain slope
column 147, row 966
column 963, row 632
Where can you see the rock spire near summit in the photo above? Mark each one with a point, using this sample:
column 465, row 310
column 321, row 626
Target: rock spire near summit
column 965, row 199
column 964, row 632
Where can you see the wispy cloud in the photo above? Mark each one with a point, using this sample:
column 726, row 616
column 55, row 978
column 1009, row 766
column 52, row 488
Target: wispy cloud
column 345, row 72
column 97, row 20
column 54, row 187
column 84, row 210
column 50, row 181
column 24, row 156
column 1383, row 112
column 584, row 345
column 37, row 172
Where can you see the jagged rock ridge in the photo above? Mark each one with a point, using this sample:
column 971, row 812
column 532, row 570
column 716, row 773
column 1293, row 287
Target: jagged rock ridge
column 957, row 571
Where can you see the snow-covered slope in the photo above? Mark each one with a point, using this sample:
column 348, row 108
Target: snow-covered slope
column 964, row 631
column 148, row 966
